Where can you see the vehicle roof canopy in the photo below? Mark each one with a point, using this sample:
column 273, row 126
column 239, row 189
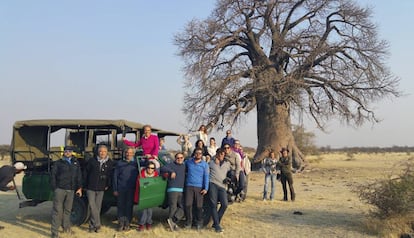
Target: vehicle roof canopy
column 56, row 124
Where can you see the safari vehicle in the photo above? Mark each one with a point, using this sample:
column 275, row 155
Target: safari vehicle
column 38, row 143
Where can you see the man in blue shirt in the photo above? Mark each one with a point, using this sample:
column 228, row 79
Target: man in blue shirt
column 196, row 187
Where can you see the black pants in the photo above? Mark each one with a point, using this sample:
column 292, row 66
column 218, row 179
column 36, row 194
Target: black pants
column 193, row 195
column 287, row 178
column 125, row 205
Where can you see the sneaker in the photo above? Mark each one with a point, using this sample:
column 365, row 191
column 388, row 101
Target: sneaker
column 199, row 227
column 176, row 227
column 148, row 226
column 171, row 224
column 218, row 229
column 187, row 226
column 140, row 228
column 126, row 228
column 121, row 228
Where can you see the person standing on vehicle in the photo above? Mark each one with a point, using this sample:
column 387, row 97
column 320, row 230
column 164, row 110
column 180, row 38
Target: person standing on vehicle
column 186, row 146
column 176, row 178
column 270, row 170
column 98, row 178
column 196, row 186
column 285, row 164
column 201, row 134
column 217, row 190
column 149, row 144
column 65, row 179
column 228, row 139
column 212, row 147
column 146, row 214
column 123, row 186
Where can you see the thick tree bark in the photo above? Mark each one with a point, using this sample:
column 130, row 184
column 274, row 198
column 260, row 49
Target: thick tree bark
column 274, row 130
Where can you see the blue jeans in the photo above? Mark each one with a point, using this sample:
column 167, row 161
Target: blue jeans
column 217, row 194
column 272, row 179
column 146, row 217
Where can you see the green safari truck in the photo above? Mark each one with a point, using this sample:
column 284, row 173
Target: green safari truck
column 39, row 143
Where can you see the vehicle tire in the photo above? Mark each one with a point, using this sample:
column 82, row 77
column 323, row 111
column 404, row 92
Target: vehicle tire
column 80, row 211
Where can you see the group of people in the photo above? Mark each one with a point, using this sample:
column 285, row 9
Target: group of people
column 69, row 179
column 194, row 177
column 278, row 169
column 201, row 175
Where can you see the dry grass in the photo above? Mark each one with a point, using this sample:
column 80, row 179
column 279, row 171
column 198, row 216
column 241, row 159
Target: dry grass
column 324, row 196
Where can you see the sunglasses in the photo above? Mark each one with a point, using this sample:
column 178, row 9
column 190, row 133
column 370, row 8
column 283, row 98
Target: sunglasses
column 151, row 168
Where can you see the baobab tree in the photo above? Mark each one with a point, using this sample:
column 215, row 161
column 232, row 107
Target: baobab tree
column 284, row 58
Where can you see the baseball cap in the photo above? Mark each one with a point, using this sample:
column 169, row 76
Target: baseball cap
column 20, row 166
column 68, row 148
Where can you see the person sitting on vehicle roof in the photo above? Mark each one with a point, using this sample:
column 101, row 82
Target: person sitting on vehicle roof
column 149, row 144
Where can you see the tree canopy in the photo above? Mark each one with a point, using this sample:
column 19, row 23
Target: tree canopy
column 323, row 58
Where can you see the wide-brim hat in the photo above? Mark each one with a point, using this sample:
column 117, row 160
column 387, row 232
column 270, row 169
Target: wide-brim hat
column 20, row 166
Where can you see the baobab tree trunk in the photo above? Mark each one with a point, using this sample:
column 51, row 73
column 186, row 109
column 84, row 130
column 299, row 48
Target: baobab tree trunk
column 274, row 130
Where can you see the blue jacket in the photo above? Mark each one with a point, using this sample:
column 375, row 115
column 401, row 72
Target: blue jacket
column 197, row 174
column 125, row 176
column 177, row 184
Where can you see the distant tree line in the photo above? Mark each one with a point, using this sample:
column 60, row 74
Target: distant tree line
column 4, row 150
column 373, row 149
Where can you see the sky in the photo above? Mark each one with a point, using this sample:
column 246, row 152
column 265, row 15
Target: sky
column 101, row 59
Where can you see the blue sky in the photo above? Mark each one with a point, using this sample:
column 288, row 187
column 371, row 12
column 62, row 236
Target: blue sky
column 116, row 60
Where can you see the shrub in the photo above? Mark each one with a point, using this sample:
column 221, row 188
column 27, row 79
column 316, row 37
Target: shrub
column 393, row 196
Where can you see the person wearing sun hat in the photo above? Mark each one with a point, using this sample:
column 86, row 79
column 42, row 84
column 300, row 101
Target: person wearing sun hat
column 285, row 165
column 7, row 173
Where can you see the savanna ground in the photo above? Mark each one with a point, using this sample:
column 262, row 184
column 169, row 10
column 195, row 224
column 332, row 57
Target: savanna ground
column 324, row 197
